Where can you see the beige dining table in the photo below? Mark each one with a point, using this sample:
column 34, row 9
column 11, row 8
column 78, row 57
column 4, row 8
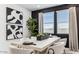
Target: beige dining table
column 39, row 45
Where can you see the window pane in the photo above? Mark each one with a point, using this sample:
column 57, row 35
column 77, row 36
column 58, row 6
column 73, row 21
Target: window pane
column 48, row 28
column 48, row 22
column 63, row 22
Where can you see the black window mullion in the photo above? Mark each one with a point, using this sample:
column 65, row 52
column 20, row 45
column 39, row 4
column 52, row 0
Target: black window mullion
column 55, row 22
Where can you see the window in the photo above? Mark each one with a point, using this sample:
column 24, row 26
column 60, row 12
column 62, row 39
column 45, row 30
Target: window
column 63, row 22
column 48, row 22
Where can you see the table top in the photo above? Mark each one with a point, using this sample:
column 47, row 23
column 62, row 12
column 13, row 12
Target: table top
column 40, row 45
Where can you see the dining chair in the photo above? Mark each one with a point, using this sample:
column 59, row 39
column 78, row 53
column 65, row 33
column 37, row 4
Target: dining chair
column 57, row 48
column 16, row 50
column 60, row 40
column 63, row 40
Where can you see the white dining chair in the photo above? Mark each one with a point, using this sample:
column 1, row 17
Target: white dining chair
column 63, row 40
column 57, row 48
column 16, row 50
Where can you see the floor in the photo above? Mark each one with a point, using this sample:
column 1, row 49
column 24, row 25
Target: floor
column 67, row 51
column 3, row 52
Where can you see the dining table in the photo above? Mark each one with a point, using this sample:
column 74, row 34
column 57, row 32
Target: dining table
column 37, row 45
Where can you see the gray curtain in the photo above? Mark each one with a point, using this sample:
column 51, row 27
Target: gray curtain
column 40, row 22
column 73, row 35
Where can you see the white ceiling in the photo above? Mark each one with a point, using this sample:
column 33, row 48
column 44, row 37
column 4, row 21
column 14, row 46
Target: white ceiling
column 33, row 7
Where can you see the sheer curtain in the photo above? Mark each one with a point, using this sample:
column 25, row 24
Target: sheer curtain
column 40, row 22
column 73, row 34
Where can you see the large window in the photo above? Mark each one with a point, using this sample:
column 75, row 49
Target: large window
column 48, row 22
column 63, row 22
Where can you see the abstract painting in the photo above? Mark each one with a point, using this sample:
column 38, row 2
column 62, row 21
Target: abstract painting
column 14, row 31
column 13, row 16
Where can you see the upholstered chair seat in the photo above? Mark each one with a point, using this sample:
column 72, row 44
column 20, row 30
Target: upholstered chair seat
column 20, row 50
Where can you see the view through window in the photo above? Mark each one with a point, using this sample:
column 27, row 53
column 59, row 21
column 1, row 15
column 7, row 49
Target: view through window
column 63, row 21
column 48, row 22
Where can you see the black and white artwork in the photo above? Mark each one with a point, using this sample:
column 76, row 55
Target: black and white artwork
column 14, row 32
column 14, row 16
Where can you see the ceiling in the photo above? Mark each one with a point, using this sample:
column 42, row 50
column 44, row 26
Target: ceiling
column 33, row 7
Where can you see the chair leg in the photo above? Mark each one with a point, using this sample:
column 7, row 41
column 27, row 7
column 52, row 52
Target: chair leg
column 52, row 50
column 64, row 51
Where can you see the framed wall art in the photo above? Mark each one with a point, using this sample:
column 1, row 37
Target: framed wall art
column 14, row 32
column 13, row 16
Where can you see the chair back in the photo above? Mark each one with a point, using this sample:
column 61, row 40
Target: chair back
column 58, row 48
column 16, row 50
column 63, row 40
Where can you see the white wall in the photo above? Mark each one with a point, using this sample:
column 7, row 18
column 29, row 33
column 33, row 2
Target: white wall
column 26, row 14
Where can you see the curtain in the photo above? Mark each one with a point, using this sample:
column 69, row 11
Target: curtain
column 40, row 22
column 73, row 34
